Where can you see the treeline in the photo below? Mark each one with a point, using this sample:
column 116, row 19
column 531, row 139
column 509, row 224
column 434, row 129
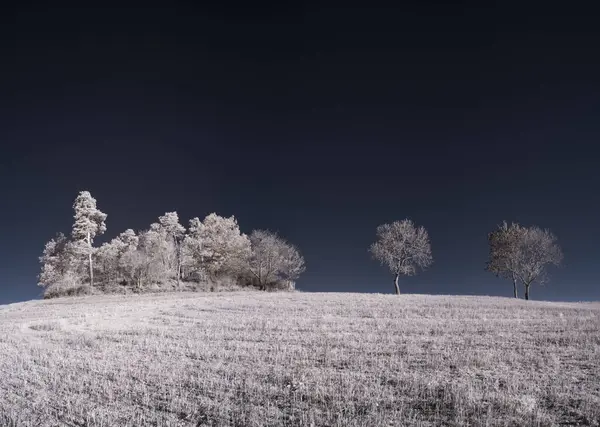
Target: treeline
column 208, row 254
column 214, row 253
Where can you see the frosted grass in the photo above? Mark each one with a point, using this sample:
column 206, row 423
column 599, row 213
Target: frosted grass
column 298, row 359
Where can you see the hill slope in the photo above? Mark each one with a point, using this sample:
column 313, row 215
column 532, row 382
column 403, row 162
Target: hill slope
column 256, row 359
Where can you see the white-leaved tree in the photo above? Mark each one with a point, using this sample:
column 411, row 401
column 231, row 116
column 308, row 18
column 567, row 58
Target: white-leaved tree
column 60, row 273
column 111, row 258
column 213, row 251
column 523, row 254
column 217, row 245
column 106, row 265
column 192, row 252
column 175, row 232
column 89, row 223
column 146, row 260
column 403, row 248
column 53, row 261
column 273, row 262
column 159, row 250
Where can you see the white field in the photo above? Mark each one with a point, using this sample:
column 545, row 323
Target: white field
column 298, row 359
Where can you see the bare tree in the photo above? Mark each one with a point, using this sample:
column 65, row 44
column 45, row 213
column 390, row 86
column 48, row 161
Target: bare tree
column 537, row 249
column 273, row 261
column 402, row 247
column 504, row 243
column 523, row 254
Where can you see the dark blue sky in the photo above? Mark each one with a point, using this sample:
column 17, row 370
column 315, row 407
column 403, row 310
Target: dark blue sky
column 317, row 122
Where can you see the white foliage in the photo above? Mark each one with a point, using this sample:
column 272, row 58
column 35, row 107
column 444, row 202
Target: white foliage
column 141, row 269
column 61, row 267
column 129, row 238
column 107, row 261
column 158, row 245
column 89, row 221
column 169, row 222
column 156, row 257
column 175, row 232
column 213, row 251
column 68, row 283
column 56, row 260
column 111, row 263
column 217, row 244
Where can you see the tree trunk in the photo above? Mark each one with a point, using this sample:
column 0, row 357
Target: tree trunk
column 90, row 261
column 178, row 248
column 515, row 288
column 396, row 284
column 527, row 291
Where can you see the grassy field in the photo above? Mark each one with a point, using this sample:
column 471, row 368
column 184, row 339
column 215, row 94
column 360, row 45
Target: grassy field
column 299, row 359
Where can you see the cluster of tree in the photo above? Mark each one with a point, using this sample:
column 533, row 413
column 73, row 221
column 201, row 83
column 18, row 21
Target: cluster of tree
column 521, row 254
column 165, row 256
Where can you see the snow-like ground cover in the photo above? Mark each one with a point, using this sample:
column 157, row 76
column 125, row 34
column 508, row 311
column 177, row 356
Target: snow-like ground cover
column 298, row 359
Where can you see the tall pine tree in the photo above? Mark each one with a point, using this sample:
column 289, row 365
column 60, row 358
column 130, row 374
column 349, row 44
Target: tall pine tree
column 89, row 223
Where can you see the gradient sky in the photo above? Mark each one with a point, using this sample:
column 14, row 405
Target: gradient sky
column 316, row 122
